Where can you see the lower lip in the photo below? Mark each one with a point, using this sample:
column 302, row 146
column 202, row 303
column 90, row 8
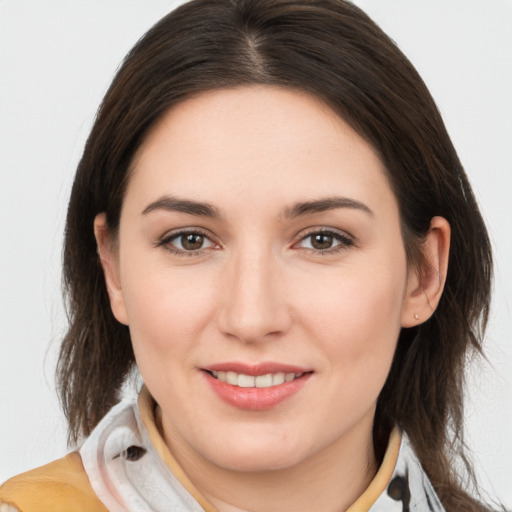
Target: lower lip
column 255, row 399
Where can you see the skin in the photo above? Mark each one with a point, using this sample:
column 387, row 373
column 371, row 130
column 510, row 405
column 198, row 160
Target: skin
column 258, row 289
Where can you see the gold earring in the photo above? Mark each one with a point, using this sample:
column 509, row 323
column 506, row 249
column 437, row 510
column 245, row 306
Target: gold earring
column 416, row 316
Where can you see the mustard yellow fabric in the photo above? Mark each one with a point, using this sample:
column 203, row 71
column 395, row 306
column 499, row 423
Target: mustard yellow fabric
column 63, row 486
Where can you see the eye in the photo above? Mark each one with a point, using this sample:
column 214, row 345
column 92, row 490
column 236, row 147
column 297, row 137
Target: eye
column 325, row 241
column 187, row 242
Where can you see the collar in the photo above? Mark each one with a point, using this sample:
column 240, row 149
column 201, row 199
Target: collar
column 131, row 468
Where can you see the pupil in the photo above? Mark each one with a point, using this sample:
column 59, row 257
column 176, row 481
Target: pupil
column 192, row 242
column 322, row 241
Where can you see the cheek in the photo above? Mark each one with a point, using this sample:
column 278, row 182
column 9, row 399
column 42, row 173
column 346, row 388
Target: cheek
column 167, row 309
column 356, row 317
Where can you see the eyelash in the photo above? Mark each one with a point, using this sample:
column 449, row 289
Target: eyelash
column 167, row 240
column 344, row 242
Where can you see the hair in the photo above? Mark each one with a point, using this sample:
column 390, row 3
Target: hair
column 332, row 50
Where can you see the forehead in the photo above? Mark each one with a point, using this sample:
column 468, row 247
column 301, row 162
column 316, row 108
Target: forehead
column 237, row 144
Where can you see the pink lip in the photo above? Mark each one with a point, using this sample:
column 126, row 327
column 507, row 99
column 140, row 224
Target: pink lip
column 256, row 369
column 256, row 399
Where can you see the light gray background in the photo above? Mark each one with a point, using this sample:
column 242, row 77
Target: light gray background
column 57, row 58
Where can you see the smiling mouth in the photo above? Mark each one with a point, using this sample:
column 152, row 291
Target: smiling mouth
column 251, row 381
column 256, row 387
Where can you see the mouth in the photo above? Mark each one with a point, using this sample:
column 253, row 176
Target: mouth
column 256, row 387
column 243, row 380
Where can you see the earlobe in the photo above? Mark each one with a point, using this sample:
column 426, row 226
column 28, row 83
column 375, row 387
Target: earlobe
column 110, row 264
column 426, row 280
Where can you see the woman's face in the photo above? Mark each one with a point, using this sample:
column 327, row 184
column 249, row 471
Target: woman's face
column 261, row 270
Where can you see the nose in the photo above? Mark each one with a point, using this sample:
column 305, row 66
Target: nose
column 254, row 306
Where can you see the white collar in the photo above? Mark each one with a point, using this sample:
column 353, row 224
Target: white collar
column 128, row 474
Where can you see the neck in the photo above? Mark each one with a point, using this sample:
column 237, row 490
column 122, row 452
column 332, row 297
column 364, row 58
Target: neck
column 330, row 480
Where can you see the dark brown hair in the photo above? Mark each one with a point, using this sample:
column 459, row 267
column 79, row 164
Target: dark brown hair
column 331, row 49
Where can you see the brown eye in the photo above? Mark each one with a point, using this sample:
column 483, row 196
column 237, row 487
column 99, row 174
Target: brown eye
column 189, row 242
column 325, row 242
column 192, row 241
column 322, row 241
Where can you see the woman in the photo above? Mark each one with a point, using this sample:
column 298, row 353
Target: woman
column 278, row 232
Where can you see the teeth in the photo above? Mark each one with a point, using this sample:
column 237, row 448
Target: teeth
column 246, row 381
column 263, row 381
column 249, row 381
column 278, row 378
column 232, row 378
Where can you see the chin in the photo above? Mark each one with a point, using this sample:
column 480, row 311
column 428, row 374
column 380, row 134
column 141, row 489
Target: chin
column 258, row 457
column 257, row 463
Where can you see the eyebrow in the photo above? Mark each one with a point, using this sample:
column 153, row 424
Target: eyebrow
column 324, row 204
column 175, row 204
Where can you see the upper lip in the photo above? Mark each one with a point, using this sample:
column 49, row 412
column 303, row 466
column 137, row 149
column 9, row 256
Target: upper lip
column 255, row 369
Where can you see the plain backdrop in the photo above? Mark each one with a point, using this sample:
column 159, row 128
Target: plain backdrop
column 57, row 58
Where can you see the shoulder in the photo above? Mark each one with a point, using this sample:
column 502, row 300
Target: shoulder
column 61, row 486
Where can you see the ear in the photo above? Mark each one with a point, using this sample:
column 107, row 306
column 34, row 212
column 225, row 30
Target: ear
column 425, row 282
column 109, row 259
